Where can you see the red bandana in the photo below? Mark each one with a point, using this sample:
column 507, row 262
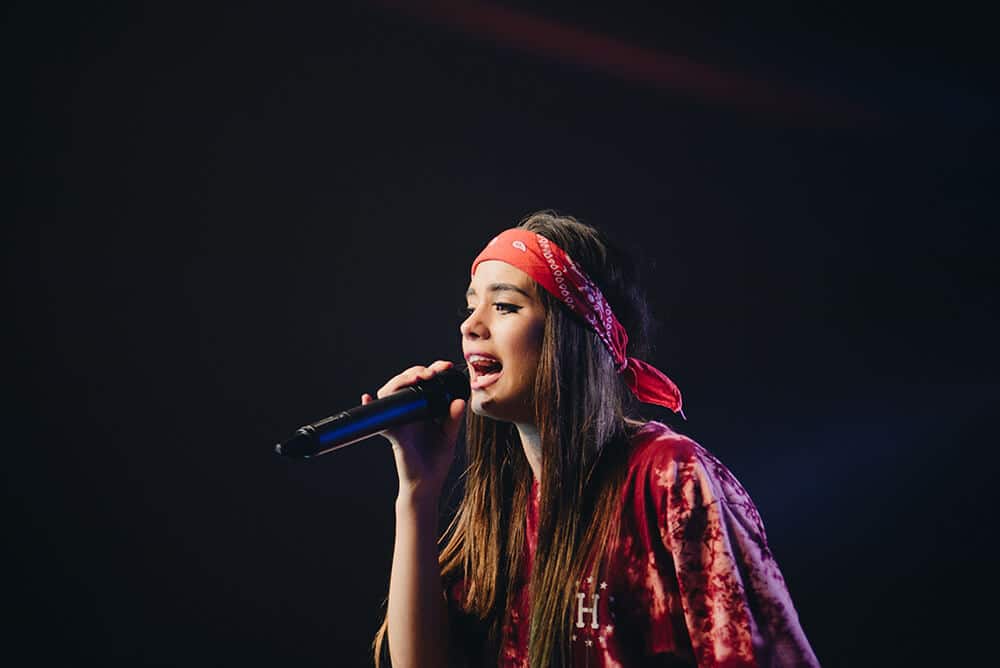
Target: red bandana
column 553, row 269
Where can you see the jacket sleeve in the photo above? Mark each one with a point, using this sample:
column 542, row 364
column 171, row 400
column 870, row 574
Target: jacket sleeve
column 736, row 606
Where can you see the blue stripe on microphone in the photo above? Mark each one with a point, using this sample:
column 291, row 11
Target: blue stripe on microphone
column 358, row 426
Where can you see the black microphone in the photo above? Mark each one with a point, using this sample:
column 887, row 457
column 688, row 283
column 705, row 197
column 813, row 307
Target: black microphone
column 422, row 401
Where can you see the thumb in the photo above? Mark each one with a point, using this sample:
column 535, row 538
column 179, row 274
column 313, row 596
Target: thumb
column 454, row 418
column 456, row 409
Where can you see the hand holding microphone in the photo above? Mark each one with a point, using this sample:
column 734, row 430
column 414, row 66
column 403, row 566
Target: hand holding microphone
column 403, row 412
column 425, row 450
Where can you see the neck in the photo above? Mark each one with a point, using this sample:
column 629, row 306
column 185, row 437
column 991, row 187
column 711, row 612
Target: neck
column 532, row 444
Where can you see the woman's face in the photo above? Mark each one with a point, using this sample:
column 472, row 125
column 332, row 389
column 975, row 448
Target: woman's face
column 502, row 341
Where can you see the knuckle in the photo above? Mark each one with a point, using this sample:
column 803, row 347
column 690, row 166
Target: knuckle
column 410, row 376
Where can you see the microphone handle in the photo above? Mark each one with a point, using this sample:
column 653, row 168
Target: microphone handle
column 409, row 404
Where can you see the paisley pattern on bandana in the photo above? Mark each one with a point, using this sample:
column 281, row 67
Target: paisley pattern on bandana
column 692, row 581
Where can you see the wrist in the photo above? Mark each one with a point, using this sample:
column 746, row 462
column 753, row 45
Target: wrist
column 418, row 499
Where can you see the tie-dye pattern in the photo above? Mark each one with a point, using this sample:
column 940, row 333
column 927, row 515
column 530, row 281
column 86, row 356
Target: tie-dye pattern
column 691, row 582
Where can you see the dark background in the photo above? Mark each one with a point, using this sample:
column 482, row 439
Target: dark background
column 231, row 219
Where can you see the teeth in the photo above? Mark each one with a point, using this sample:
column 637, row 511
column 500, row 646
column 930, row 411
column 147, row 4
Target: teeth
column 482, row 358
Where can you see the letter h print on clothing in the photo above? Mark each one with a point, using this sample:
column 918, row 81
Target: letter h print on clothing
column 581, row 609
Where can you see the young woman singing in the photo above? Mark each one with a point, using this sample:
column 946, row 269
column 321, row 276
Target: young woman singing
column 585, row 536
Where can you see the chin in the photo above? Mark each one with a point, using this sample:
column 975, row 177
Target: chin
column 506, row 399
column 500, row 411
column 486, row 407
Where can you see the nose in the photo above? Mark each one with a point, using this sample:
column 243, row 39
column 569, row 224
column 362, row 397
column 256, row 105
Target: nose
column 474, row 326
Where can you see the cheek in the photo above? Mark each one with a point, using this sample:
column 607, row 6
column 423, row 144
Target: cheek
column 530, row 349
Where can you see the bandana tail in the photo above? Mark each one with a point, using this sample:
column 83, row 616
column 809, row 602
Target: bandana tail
column 652, row 386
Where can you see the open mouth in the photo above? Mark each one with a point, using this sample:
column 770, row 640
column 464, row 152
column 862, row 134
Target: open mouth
column 483, row 370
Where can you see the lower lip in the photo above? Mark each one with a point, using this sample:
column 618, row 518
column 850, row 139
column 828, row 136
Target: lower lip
column 479, row 382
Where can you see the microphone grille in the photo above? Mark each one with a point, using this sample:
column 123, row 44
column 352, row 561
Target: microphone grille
column 456, row 383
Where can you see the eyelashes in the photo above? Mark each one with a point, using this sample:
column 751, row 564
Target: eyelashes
column 500, row 307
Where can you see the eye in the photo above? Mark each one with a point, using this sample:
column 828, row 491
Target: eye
column 501, row 307
column 504, row 307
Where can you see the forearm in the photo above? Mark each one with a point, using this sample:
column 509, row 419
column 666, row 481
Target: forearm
column 417, row 614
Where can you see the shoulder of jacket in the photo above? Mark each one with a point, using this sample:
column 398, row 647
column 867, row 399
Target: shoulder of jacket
column 656, row 444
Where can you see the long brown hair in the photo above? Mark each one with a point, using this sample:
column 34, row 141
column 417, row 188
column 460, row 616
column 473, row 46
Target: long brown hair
column 581, row 412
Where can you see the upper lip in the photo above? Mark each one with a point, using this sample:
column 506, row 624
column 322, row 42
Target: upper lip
column 481, row 354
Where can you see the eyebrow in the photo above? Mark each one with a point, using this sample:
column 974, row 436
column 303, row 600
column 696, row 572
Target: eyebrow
column 499, row 287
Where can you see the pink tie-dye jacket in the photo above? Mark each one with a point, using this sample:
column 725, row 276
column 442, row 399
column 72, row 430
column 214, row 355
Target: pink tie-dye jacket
column 691, row 583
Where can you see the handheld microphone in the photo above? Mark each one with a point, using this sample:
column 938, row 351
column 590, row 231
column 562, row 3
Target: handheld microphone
column 422, row 401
